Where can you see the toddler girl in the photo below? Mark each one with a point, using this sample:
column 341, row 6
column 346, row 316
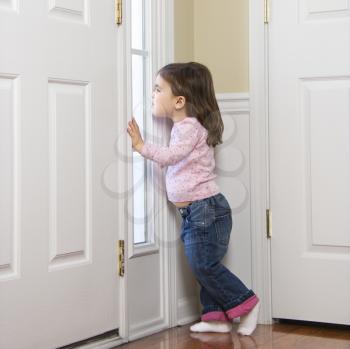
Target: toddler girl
column 184, row 92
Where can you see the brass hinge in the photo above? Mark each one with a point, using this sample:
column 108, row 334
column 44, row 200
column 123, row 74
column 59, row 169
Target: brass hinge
column 121, row 257
column 266, row 11
column 118, row 11
column 268, row 224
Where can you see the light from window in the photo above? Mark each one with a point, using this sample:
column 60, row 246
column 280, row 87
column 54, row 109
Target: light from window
column 139, row 56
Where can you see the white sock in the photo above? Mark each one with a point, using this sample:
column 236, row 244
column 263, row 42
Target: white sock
column 248, row 322
column 212, row 326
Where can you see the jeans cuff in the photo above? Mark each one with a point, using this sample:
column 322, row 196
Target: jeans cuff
column 242, row 308
column 215, row 315
column 237, row 301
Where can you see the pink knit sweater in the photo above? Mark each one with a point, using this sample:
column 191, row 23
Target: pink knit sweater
column 190, row 173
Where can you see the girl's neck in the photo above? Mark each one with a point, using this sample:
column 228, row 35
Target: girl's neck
column 179, row 115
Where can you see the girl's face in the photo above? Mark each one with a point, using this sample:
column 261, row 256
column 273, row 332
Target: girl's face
column 164, row 103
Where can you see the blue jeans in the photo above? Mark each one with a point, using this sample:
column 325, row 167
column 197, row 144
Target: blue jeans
column 205, row 233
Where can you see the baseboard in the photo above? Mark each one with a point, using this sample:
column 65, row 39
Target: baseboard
column 147, row 328
column 187, row 310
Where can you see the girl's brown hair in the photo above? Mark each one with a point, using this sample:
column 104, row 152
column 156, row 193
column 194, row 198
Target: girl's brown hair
column 194, row 81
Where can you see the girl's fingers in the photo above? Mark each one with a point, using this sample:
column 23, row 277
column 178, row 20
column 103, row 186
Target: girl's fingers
column 136, row 125
column 133, row 125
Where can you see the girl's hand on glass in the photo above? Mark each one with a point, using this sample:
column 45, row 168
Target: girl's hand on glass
column 135, row 135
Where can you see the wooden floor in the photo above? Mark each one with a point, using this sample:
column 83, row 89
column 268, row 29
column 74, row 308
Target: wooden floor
column 277, row 336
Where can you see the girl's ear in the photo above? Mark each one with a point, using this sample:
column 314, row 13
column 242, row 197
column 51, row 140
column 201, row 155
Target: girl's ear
column 180, row 102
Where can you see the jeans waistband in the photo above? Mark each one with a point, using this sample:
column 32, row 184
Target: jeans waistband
column 210, row 199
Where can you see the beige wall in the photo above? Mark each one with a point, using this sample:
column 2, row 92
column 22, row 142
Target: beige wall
column 215, row 33
column 184, row 30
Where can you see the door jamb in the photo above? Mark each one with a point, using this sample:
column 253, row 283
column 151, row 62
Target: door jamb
column 259, row 148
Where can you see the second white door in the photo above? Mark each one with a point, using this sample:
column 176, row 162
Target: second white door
column 309, row 89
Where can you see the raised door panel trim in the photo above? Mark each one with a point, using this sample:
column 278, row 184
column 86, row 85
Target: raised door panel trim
column 323, row 9
column 11, row 5
column 70, row 10
column 9, row 177
column 70, row 173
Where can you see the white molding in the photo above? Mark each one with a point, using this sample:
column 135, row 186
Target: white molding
column 143, row 250
column 147, row 328
column 122, row 228
column 165, row 51
column 258, row 75
column 236, row 106
column 164, row 47
column 166, row 220
column 161, row 51
column 172, row 265
column 233, row 102
column 185, row 310
column 229, row 103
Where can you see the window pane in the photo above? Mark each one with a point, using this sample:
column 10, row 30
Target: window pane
column 137, row 24
column 137, row 89
column 138, row 160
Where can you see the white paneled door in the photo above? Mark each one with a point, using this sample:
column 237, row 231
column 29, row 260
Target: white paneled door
column 58, row 124
column 309, row 89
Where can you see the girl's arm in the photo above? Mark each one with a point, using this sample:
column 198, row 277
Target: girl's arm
column 182, row 142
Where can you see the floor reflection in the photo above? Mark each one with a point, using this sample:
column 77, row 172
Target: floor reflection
column 277, row 336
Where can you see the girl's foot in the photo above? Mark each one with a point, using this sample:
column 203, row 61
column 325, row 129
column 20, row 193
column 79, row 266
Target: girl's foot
column 212, row 326
column 248, row 322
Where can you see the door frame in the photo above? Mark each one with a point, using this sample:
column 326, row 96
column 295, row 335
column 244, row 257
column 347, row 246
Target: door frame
column 162, row 47
column 259, row 153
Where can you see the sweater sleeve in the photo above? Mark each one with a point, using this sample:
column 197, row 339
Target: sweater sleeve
column 183, row 140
